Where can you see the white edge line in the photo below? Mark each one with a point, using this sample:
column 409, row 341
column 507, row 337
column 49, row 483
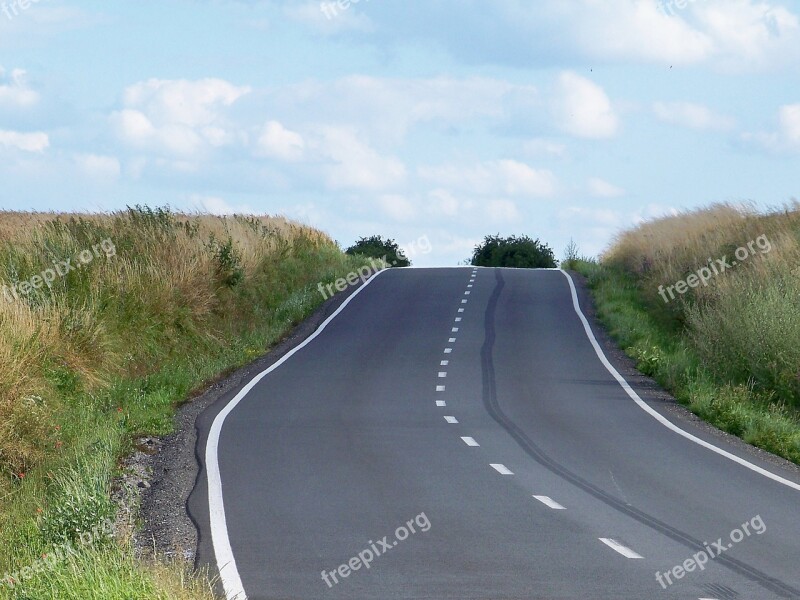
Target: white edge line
column 652, row 412
column 226, row 562
column 549, row 502
column 617, row 547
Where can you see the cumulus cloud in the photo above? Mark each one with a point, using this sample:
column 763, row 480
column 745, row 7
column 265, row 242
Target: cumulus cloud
column 27, row 142
column 397, row 207
column 354, row 164
column 275, row 141
column 498, row 177
column 14, row 90
column 99, row 167
column 787, row 136
column 603, row 189
column 177, row 117
column 691, row 115
column 582, row 108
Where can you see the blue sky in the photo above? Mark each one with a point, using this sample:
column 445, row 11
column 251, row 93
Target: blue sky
column 438, row 119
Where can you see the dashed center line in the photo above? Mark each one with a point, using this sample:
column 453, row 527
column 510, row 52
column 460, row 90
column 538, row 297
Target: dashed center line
column 454, row 330
column 500, row 468
column 448, row 350
column 442, row 374
column 451, row 420
column 439, row 388
column 548, row 501
column 467, row 293
column 458, row 319
column 464, row 301
column 441, row 403
column 470, row 441
column 617, row 547
column 451, row 340
column 444, row 363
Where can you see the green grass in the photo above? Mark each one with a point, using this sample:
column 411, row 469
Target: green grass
column 130, row 339
column 669, row 354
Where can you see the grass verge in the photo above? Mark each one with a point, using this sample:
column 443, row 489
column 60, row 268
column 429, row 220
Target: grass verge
column 156, row 304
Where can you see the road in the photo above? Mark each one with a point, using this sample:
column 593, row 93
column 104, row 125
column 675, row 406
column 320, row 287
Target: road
column 460, row 426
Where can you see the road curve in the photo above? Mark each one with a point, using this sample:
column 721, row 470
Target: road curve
column 455, row 434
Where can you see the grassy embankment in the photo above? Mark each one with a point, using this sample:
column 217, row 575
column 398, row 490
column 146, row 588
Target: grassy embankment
column 106, row 353
column 729, row 351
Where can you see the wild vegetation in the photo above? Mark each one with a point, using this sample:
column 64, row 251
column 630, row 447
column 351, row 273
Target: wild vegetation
column 107, row 322
column 727, row 343
column 520, row 252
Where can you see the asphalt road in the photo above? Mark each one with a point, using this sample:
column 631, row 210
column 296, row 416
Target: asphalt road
column 459, row 426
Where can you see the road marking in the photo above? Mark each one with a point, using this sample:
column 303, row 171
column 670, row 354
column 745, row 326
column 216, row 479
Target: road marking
column 464, row 301
column 655, row 414
column 502, row 469
column 548, row 501
column 460, row 310
column 470, row 441
column 439, row 388
column 467, row 293
column 444, row 363
column 617, row 547
column 469, row 286
column 442, row 374
column 451, row 340
column 458, row 319
column 220, row 539
column 448, row 350
column 451, row 420
column 454, row 330
column 441, row 403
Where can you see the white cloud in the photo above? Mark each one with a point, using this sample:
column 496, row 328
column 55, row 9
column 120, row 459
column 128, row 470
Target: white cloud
column 356, row 165
column 28, row 142
column 177, row 117
column 691, row 115
column 539, row 147
column 278, row 142
column 503, row 211
column 217, row 206
column 442, row 202
column 603, row 189
column 14, row 90
column 787, row 136
column 99, row 167
column 498, row 177
column 583, row 109
column 327, row 16
column 399, row 208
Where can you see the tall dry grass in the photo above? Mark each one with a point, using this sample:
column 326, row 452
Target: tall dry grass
column 745, row 324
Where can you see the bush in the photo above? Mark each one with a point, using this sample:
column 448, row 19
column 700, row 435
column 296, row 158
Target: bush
column 518, row 252
column 376, row 247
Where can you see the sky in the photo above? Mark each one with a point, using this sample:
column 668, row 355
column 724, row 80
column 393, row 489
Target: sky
column 432, row 122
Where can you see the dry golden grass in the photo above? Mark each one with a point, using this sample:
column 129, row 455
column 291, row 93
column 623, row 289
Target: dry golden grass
column 166, row 265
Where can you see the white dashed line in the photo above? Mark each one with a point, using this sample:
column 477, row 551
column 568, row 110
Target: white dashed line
column 454, row 330
column 439, row 388
column 451, row 420
column 548, row 501
column 460, row 310
column 441, row 403
column 458, row 319
column 470, row 441
column 464, row 301
column 617, row 547
column 502, row 469
column 444, row 363
column 448, row 350
column 451, row 340
column 442, row 374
